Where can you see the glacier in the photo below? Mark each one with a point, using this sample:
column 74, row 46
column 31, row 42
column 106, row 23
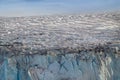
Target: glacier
column 60, row 47
column 99, row 63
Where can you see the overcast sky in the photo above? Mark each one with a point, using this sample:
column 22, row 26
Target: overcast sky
column 46, row 7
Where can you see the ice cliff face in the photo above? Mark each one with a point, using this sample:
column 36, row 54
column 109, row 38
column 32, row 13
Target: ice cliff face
column 98, row 63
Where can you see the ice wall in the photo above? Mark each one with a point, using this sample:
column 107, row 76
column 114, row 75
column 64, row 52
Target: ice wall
column 100, row 63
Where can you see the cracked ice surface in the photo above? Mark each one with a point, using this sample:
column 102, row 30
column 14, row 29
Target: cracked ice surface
column 59, row 31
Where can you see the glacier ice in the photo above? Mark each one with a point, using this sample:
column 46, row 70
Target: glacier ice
column 83, row 65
